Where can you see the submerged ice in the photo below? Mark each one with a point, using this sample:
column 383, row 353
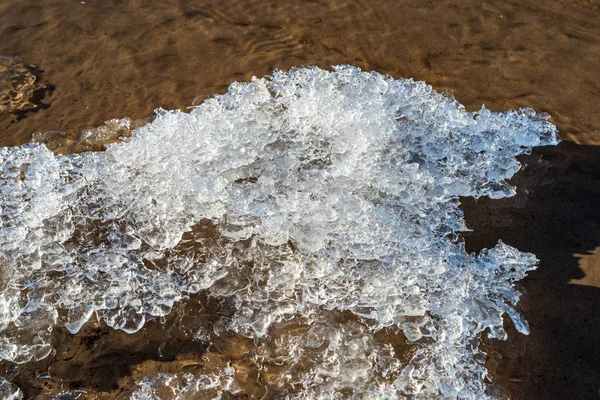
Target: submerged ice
column 328, row 192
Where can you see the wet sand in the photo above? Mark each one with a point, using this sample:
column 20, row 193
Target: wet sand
column 112, row 59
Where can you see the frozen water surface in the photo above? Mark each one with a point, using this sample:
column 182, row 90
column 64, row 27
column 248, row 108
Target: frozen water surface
column 329, row 191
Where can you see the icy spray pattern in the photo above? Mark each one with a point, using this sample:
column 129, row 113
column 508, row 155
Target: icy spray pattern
column 331, row 191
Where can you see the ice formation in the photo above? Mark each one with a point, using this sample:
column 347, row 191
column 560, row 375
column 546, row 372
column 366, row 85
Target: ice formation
column 21, row 90
column 184, row 386
column 9, row 391
column 330, row 192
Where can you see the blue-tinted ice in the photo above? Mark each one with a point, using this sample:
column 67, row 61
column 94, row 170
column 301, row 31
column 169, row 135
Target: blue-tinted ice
column 343, row 187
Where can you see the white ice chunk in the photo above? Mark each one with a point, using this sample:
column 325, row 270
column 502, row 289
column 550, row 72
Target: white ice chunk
column 327, row 190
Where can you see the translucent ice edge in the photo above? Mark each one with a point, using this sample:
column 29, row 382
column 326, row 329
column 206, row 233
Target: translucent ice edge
column 9, row 391
column 341, row 190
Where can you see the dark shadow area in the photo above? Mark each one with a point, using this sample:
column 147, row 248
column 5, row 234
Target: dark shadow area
column 555, row 215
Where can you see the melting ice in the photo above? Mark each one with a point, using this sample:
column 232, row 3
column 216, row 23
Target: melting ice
column 329, row 191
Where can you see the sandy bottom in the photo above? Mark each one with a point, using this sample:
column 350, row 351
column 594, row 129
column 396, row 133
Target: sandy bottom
column 103, row 59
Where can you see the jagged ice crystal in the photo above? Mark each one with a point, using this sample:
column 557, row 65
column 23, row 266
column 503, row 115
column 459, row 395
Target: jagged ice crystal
column 334, row 191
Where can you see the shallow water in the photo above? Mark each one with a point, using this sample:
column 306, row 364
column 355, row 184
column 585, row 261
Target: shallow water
column 125, row 59
column 115, row 59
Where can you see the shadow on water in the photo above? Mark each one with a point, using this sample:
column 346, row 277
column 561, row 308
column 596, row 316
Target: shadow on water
column 555, row 215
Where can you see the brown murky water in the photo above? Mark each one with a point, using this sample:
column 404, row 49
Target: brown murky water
column 87, row 62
